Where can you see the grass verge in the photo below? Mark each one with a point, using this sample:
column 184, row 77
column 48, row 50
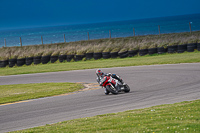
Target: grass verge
column 186, row 57
column 19, row 92
column 179, row 117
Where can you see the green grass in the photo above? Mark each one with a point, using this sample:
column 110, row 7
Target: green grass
column 19, row 92
column 105, row 63
column 181, row 117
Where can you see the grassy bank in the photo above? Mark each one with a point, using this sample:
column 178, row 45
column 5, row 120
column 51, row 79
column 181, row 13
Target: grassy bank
column 186, row 57
column 19, row 92
column 100, row 45
column 179, row 117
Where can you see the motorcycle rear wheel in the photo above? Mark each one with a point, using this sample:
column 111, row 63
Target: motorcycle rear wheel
column 126, row 88
column 111, row 89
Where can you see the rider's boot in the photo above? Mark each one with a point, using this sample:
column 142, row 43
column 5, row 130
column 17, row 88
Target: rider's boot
column 122, row 82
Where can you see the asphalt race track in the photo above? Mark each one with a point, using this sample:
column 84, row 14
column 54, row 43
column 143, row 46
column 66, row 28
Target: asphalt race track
column 150, row 86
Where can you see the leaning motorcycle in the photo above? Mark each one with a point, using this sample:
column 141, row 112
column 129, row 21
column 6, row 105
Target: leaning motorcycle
column 115, row 86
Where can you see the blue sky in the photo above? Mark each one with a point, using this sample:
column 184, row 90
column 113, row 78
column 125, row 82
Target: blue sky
column 39, row 13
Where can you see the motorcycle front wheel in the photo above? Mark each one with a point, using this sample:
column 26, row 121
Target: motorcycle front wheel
column 112, row 89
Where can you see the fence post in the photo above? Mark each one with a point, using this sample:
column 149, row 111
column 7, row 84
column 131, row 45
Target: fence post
column 20, row 41
column 42, row 40
column 190, row 28
column 159, row 29
column 109, row 33
column 5, row 42
column 88, row 36
column 133, row 32
column 64, row 38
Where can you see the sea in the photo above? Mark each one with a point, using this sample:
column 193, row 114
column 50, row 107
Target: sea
column 71, row 33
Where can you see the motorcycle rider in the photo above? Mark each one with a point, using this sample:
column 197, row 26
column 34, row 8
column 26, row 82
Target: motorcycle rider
column 100, row 79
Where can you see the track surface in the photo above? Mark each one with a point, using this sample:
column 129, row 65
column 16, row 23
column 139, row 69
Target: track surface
column 150, row 85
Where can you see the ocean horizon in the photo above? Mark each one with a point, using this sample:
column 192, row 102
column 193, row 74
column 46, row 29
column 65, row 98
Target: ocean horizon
column 55, row 34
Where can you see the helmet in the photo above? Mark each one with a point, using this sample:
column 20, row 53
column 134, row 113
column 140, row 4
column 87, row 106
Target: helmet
column 99, row 72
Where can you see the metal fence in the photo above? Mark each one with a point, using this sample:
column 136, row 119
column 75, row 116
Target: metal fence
column 70, row 35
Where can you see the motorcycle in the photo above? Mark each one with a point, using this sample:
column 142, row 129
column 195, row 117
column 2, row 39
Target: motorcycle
column 114, row 86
